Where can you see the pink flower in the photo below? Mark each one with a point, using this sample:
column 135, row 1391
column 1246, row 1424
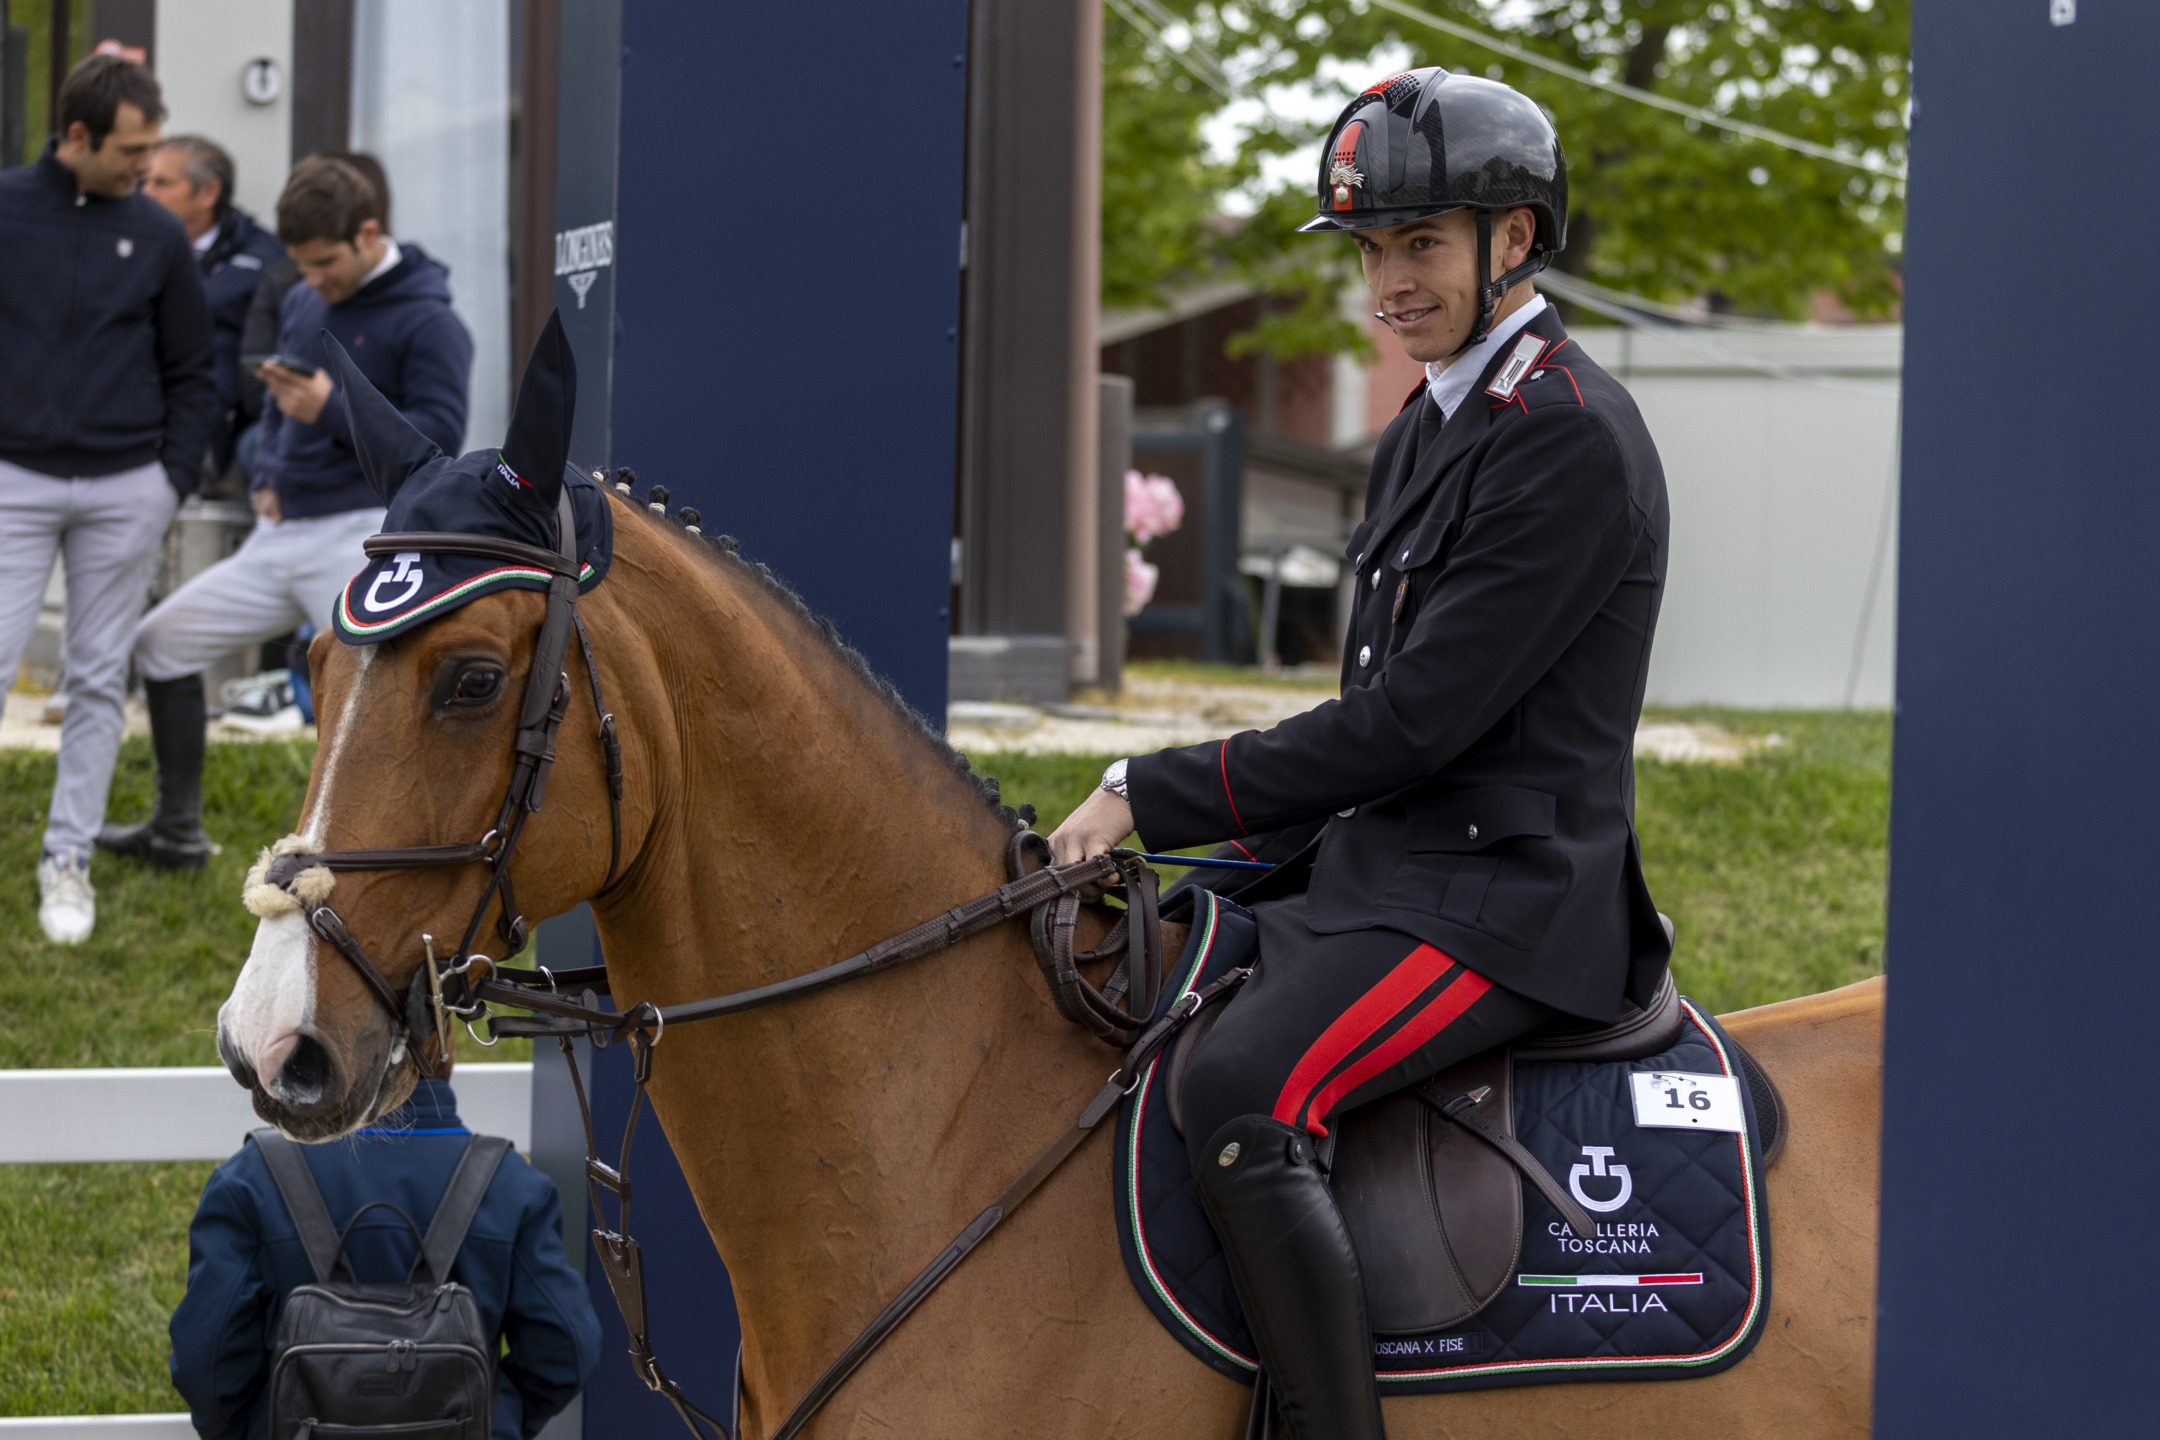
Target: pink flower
column 1153, row 506
column 1139, row 582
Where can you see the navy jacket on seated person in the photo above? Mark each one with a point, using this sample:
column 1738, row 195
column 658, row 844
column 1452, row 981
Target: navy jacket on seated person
column 232, row 268
column 1474, row 785
column 244, row 1257
column 402, row 333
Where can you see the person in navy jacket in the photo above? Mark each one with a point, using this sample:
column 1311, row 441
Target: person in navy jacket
column 1458, row 860
column 106, row 407
column 244, row 1257
column 193, row 177
column 388, row 304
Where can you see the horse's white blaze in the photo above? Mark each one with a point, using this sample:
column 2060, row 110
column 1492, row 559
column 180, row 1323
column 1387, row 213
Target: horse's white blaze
column 273, row 1002
column 317, row 820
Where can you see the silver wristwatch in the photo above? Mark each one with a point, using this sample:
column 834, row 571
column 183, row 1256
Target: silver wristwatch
column 1113, row 779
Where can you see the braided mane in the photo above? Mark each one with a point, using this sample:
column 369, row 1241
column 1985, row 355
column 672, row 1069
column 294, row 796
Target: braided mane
column 726, row 550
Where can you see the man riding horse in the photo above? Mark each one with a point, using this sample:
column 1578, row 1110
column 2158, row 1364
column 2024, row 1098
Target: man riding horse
column 1457, row 860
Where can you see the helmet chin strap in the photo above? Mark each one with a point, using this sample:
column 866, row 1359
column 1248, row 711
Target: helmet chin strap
column 1490, row 291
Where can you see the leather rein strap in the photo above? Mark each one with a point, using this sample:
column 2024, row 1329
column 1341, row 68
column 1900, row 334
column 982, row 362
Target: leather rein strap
column 1055, row 885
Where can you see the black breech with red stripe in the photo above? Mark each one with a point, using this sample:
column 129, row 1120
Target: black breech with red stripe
column 1330, row 1022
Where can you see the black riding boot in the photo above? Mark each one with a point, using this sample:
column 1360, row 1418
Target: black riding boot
column 1297, row 1275
column 173, row 837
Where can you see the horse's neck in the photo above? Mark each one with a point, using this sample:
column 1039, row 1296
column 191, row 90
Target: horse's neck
column 834, row 1143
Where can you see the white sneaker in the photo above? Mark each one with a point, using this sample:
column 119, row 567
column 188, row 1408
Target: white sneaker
column 67, row 906
column 258, row 696
column 279, row 722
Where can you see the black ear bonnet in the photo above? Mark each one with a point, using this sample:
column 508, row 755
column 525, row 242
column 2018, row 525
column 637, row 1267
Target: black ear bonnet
column 509, row 493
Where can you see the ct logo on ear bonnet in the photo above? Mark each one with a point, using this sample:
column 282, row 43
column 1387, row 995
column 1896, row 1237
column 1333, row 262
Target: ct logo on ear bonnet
column 407, row 571
column 509, row 493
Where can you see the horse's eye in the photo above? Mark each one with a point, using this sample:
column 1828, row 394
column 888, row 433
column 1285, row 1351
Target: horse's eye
column 476, row 685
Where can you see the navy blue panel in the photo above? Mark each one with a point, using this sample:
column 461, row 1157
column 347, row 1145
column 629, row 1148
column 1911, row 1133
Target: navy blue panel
column 787, row 297
column 586, row 116
column 2022, row 1073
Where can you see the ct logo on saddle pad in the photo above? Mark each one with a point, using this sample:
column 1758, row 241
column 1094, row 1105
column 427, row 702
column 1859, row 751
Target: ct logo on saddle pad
column 406, row 573
column 1598, row 1155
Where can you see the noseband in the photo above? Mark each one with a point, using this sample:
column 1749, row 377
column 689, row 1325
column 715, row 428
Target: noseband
column 442, row 987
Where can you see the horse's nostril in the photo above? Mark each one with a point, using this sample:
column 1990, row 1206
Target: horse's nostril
column 234, row 1060
column 307, row 1072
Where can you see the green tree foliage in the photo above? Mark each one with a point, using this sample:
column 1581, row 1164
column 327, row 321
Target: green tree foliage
column 1660, row 205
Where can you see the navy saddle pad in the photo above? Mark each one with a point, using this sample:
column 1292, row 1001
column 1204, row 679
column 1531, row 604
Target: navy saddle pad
column 1676, row 1283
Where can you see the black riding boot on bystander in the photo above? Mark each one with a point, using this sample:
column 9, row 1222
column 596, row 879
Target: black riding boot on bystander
column 1297, row 1274
column 172, row 837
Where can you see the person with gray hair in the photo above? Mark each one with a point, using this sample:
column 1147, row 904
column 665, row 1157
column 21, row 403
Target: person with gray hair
column 193, row 177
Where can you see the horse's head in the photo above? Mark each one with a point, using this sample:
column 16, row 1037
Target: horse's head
column 435, row 739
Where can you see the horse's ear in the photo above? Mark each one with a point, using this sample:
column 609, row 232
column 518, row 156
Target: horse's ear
column 388, row 447
column 538, row 445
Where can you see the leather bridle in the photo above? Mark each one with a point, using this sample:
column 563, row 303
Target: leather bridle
column 442, row 986
column 463, row 984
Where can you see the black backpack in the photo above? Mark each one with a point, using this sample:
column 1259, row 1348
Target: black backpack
column 382, row 1362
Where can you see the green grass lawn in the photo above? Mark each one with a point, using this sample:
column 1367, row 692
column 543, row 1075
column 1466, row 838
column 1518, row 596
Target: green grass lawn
column 97, row 1259
column 145, row 989
column 1772, row 869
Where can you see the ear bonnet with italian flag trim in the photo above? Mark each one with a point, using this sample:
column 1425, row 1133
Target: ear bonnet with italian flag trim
column 510, row 494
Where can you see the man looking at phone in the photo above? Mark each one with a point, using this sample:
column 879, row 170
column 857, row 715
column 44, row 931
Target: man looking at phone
column 389, row 305
column 106, row 407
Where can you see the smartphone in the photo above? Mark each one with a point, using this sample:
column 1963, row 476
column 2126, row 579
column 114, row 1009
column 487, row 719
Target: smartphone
column 298, row 367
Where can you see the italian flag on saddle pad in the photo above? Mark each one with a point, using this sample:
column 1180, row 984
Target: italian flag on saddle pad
column 1664, row 1151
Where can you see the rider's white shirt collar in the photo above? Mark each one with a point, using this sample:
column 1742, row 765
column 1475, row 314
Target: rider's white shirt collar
column 1450, row 384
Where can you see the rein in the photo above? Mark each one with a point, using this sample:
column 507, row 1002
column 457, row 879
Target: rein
column 1049, row 896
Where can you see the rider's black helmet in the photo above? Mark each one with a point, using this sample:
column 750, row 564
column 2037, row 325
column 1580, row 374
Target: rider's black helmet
column 1427, row 141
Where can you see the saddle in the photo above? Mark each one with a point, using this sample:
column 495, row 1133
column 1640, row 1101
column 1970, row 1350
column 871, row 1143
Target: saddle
column 1427, row 1178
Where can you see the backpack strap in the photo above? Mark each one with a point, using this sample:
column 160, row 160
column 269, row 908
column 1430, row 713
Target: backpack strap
column 303, row 1201
column 460, row 1202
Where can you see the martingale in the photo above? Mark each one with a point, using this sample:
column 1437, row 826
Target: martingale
column 1672, row 1280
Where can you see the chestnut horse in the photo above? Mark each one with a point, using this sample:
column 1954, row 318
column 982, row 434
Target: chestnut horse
column 783, row 810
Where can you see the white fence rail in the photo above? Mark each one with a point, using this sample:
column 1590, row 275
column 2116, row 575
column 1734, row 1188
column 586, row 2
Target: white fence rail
column 98, row 1427
column 50, row 1117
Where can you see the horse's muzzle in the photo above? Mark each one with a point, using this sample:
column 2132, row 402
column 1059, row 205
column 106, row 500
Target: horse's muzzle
column 306, row 1096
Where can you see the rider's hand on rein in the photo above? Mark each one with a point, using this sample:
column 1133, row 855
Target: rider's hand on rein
column 1100, row 824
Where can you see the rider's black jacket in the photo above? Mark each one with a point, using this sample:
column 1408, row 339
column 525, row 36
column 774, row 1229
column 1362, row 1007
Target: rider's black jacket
column 1474, row 785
